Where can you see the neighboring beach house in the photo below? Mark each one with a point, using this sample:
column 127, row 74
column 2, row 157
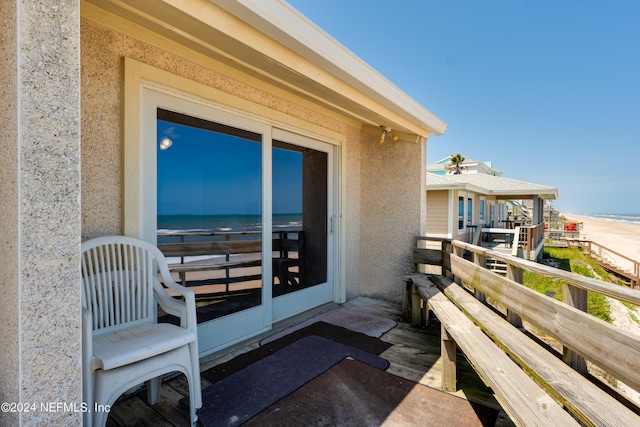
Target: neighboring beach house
column 84, row 86
column 477, row 207
column 468, row 166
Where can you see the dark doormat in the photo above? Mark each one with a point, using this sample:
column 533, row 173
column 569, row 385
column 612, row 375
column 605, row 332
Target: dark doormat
column 244, row 394
column 322, row 329
column 369, row 324
column 354, row 394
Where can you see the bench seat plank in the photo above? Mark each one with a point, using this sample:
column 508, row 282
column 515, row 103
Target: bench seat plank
column 581, row 397
column 526, row 403
column 613, row 349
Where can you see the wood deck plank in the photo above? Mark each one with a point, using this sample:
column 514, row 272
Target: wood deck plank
column 415, row 356
column 518, row 394
column 134, row 411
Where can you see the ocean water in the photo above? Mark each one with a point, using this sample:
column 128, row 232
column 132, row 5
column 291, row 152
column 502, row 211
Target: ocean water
column 624, row 218
column 171, row 225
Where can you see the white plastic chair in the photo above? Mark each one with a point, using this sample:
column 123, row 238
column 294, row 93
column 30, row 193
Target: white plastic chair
column 123, row 345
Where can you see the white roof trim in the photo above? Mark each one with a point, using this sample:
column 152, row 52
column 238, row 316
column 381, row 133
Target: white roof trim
column 489, row 185
column 286, row 25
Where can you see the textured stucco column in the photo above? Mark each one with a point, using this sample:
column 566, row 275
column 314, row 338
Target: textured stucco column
column 393, row 213
column 40, row 336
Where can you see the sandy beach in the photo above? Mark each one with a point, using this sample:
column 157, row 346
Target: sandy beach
column 625, row 239
column 620, row 237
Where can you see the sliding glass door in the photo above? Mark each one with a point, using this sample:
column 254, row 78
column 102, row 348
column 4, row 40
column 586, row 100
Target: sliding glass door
column 244, row 213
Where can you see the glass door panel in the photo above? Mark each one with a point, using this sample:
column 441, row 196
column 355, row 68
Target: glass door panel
column 209, row 211
column 301, row 216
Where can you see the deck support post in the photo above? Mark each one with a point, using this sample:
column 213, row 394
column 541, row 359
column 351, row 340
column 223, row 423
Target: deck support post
column 448, row 348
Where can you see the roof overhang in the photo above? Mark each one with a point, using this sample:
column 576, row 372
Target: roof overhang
column 527, row 192
column 272, row 41
column 499, row 195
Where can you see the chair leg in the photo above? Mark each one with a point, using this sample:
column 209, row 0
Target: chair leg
column 195, row 387
column 153, row 390
column 193, row 397
column 195, row 374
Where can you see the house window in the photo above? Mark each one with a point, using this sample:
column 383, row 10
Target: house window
column 469, row 211
column 481, row 210
column 460, row 213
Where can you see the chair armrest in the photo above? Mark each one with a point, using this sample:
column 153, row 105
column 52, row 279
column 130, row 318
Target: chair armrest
column 185, row 309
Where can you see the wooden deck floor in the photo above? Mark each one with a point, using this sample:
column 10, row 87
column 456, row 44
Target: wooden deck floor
column 414, row 355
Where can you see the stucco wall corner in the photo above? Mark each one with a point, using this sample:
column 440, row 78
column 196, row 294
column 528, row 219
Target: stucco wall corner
column 48, row 210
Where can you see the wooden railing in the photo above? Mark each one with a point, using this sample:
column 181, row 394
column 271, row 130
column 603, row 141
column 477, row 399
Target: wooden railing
column 610, row 259
column 581, row 337
column 524, row 240
column 530, row 237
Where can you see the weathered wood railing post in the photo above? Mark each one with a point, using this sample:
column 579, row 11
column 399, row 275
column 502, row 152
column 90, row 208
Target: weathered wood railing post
column 458, row 251
column 516, row 274
column 575, row 297
column 447, row 249
column 481, row 261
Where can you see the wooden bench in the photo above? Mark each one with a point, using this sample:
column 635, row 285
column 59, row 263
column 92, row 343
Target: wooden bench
column 532, row 384
column 250, row 256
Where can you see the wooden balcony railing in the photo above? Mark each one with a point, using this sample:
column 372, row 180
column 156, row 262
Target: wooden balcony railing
column 529, row 238
column 581, row 340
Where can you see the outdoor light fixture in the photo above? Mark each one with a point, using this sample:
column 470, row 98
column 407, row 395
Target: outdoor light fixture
column 165, row 143
column 383, row 134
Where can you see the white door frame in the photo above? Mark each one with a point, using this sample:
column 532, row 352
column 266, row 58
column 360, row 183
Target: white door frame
column 220, row 333
column 296, row 302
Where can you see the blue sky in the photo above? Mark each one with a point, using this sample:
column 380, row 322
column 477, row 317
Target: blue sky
column 207, row 173
column 548, row 91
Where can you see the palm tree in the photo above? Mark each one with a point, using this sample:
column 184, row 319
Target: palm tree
column 455, row 160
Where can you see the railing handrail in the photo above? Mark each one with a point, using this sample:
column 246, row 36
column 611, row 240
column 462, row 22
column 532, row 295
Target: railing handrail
column 635, row 263
column 587, row 283
column 563, row 320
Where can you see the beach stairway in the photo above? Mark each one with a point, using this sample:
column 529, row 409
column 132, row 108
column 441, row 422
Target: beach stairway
column 597, row 252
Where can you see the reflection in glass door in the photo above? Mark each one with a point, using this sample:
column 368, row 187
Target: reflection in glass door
column 209, row 211
column 301, row 216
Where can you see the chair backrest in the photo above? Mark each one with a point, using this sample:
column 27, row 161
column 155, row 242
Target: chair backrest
column 118, row 277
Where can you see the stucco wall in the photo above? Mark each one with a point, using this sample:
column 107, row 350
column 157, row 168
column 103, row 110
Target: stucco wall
column 9, row 191
column 40, row 297
column 353, row 211
column 392, row 201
